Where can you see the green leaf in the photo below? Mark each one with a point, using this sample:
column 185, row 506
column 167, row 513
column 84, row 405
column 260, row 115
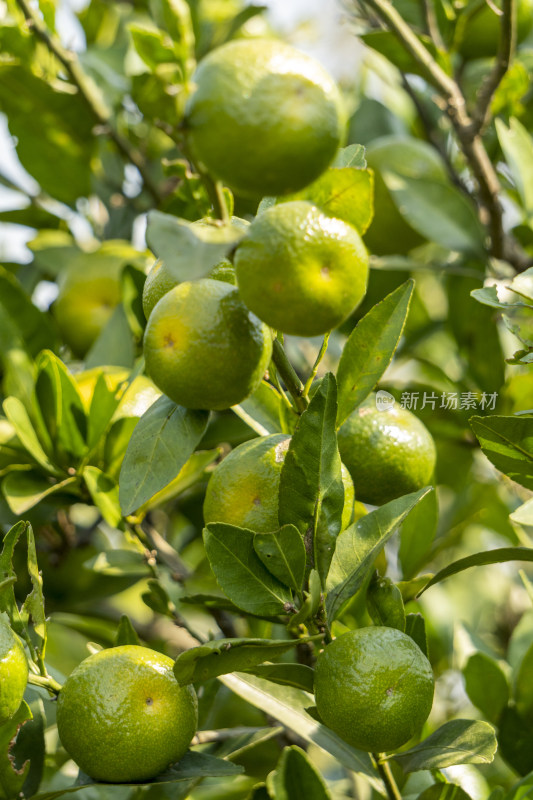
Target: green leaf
column 438, row 211
column 517, row 147
column 24, row 490
column 386, row 43
column 345, row 193
column 461, row 741
column 7, row 573
column 58, row 152
column 311, row 493
column 192, row 767
column 153, row 46
column 417, row 534
column 444, row 791
column 508, row 443
column 241, row 574
column 220, row 656
column 385, row 604
column 370, row 348
column 297, row 675
column 114, row 346
column 33, row 606
column 164, row 438
column 261, row 411
column 283, row 554
column 126, row 633
column 104, row 403
column 523, row 684
column 486, row 685
column 132, row 281
column 19, row 418
column 122, row 562
column 34, row 326
column 498, row 556
column 295, row 776
column 360, row 544
column 351, row 156
column 193, row 471
column 523, row 515
column 11, row 778
column 28, row 750
column 415, row 627
column 515, row 736
column 104, row 494
column 191, row 249
column 61, row 409
column 288, row 705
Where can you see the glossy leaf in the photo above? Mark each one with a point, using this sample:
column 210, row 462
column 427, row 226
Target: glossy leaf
column 24, row 490
column 220, row 656
column 126, row 633
column 296, row 776
column 385, row 604
column 164, row 438
column 415, row 627
column 11, row 778
column 486, row 685
column 261, row 411
column 288, row 705
column 114, row 346
column 283, row 554
column 34, row 326
column 240, row 572
column 351, row 156
column 461, row 741
column 33, row 606
column 190, row 249
column 19, row 418
column 344, row 193
column 417, row 533
column 498, row 556
column 311, row 493
column 517, row 146
column 297, row 675
column 508, row 443
column 444, row 791
column 370, row 348
column 104, row 494
column 358, row 547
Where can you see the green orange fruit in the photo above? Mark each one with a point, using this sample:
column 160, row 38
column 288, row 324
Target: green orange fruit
column 374, row 688
column 301, row 271
column 203, row 348
column 123, row 717
column 481, row 34
column 387, row 452
column 263, row 117
column 13, row 672
column 158, row 282
column 243, row 489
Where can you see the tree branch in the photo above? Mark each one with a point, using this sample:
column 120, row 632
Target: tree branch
column 482, row 112
column 432, row 24
column 91, row 97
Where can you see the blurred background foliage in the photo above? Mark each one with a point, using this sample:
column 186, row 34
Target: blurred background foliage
column 94, row 143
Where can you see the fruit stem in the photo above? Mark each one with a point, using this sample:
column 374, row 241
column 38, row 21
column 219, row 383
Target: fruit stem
column 289, row 376
column 320, row 356
column 46, row 681
column 386, row 775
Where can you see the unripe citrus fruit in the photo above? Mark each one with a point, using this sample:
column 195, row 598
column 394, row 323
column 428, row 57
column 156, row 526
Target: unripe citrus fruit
column 388, row 453
column 243, row 489
column 264, row 118
column 123, row 717
column 202, row 346
column 300, row 271
column 13, row 672
column 374, row 688
column 87, row 297
column 158, row 282
column 481, row 34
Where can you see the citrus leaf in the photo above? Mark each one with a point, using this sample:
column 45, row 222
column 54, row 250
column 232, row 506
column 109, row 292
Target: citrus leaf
column 33, row 606
column 311, row 493
column 508, row 443
column 296, row 776
column 517, row 147
column 288, row 705
column 445, row 791
column 114, row 345
column 415, row 627
column 190, row 249
column 193, row 766
column 283, row 554
column 24, row 490
column 498, row 556
column 298, row 675
column 417, row 534
column 104, row 494
column 126, row 633
column 34, row 326
column 28, row 751
column 360, row 544
column 19, row 418
column 461, row 741
column 220, row 656
column 486, row 685
column 261, row 411
column 8, row 575
column 343, row 192
column 370, row 348
column 523, row 515
column 162, row 441
column 351, row 156
column 11, row 778
column 240, row 572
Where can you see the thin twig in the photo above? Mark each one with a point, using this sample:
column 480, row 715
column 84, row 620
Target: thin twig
column 289, row 376
column 433, row 25
column 482, row 112
column 388, row 778
column 314, row 370
column 90, row 95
